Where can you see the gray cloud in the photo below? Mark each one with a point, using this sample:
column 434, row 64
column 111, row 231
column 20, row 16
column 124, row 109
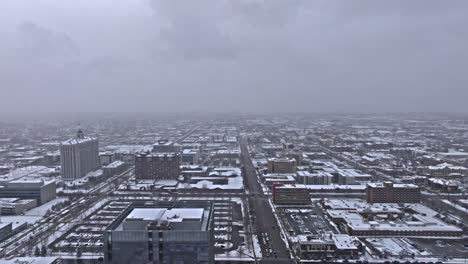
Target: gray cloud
column 246, row 55
column 37, row 42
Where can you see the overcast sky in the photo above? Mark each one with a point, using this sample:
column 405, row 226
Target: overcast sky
column 234, row 56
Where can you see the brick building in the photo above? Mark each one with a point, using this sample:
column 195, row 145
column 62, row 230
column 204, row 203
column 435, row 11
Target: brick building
column 291, row 195
column 282, row 165
column 388, row 192
column 157, row 166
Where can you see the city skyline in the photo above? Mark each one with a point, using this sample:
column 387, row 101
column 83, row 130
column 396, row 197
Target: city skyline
column 233, row 131
column 223, row 189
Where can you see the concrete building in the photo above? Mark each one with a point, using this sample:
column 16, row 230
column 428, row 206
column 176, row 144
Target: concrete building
column 160, row 235
column 351, row 176
column 79, row 156
column 318, row 178
column 282, row 165
column 25, row 188
column 16, row 206
column 346, row 176
column 114, row 168
column 188, row 171
column 52, row 158
column 5, row 230
column 324, row 246
column 157, row 166
column 294, row 154
column 165, row 146
column 271, row 179
column 230, row 153
column 388, row 192
column 190, row 156
column 106, row 158
column 362, row 219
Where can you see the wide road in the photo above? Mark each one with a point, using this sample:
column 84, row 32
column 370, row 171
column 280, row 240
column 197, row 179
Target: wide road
column 274, row 249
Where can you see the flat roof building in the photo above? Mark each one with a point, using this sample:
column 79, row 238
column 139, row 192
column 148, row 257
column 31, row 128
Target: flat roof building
column 361, row 219
column 157, row 166
column 291, row 195
column 327, row 245
column 285, row 165
column 316, row 178
column 79, row 156
column 190, row 156
column 26, row 188
column 166, row 146
column 161, row 235
column 389, row 192
column 16, row 206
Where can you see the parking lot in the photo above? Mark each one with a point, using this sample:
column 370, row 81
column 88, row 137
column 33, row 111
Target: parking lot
column 305, row 221
column 227, row 216
column 86, row 237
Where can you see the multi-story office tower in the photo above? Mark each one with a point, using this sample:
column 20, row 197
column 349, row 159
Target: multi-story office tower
column 157, row 166
column 78, row 156
column 160, row 235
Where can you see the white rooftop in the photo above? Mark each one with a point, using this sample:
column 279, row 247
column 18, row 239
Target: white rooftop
column 171, row 215
column 75, row 141
column 146, row 214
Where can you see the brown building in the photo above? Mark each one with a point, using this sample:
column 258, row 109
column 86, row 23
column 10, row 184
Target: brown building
column 157, row 166
column 388, row 192
column 282, row 165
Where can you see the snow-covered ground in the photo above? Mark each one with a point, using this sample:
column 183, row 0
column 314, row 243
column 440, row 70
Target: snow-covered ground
column 456, row 206
column 84, row 180
column 32, row 215
column 396, row 247
column 242, row 253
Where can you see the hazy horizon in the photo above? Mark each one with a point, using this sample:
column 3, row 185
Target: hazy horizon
column 247, row 56
column 78, row 117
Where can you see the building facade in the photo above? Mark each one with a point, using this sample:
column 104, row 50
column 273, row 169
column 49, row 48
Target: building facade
column 157, row 166
column 282, row 165
column 16, row 206
column 114, row 168
column 388, row 192
column 190, row 156
column 40, row 190
column 79, row 156
column 5, row 230
column 325, row 246
column 160, row 235
column 318, row 178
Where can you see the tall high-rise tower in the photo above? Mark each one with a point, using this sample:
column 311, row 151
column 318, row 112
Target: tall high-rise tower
column 78, row 156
